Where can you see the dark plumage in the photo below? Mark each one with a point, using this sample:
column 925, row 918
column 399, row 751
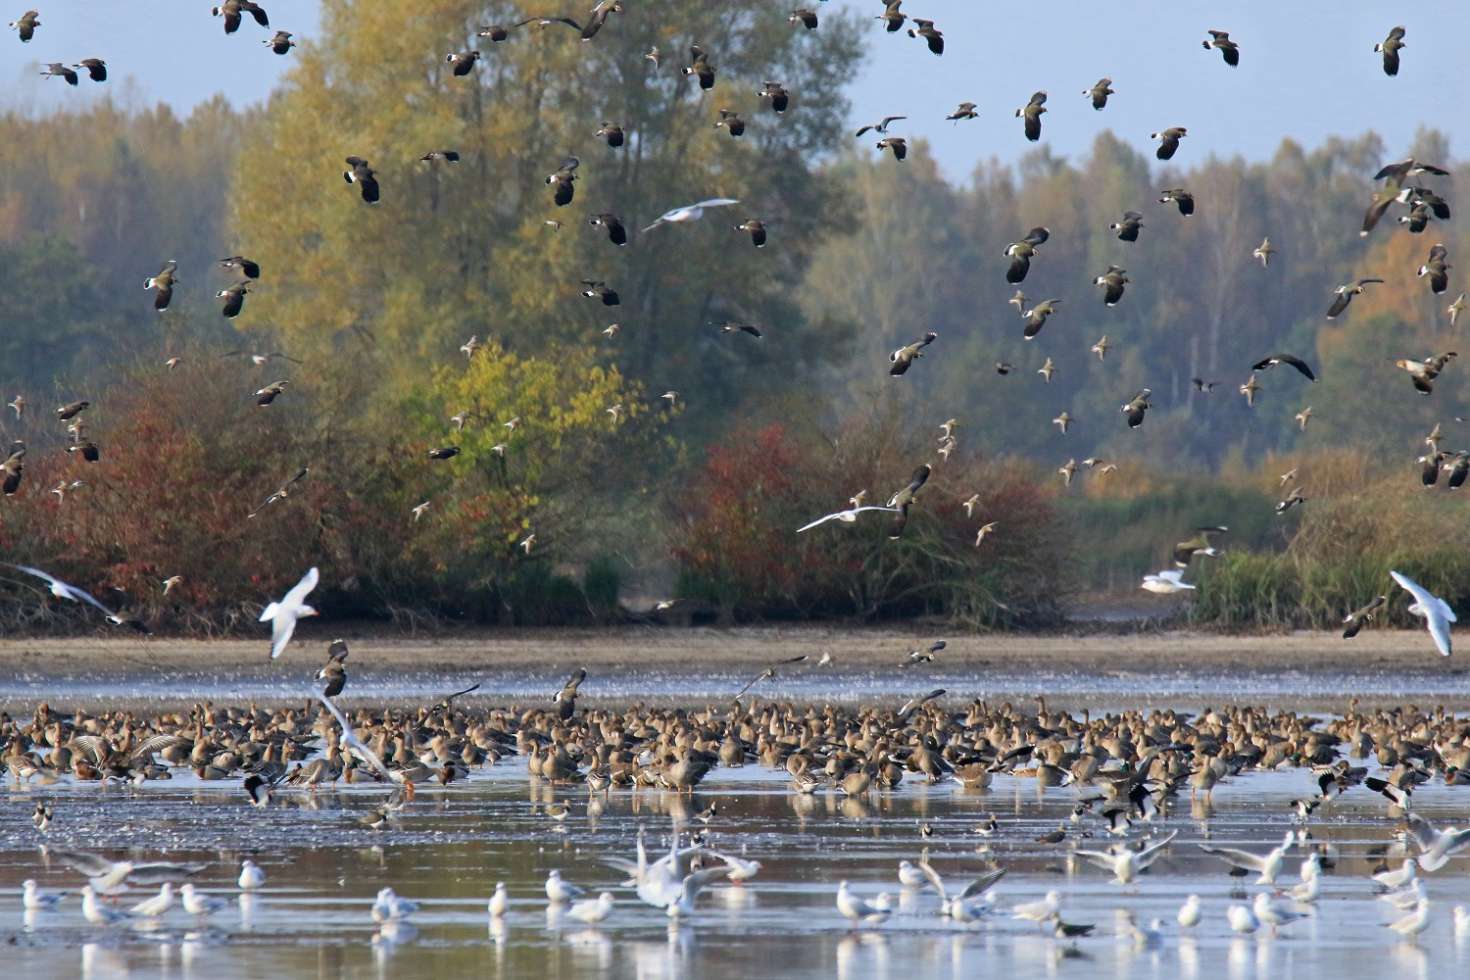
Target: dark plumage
column 269, row 393
column 1127, row 229
column 597, row 289
column 163, row 283
column 281, row 43
column 616, row 233
column 757, row 230
column 26, row 25
column 364, row 177
column 1345, row 294
column 776, row 94
column 1112, row 283
column 931, row 35
column 904, row 498
column 700, row 67
column 732, row 122
column 1228, row 48
column 750, row 328
column 1389, row 47
column 897, row 144
column 440, row 156
column 96, row 68
column 11, row 468
column 1031, row 113
column 1099, row 93
column 242, row 265
column 72, row 410
column 234, row 298
column 1137, row 406
column 1020, row 253
column 462, row 63
column 612, row 133
column 1291, row 359
column 1180, row 197
column 1437, row 267
column 966, row 110
column 1358, row 618
column 444, row 452
column 87, row 448
column 562, row 182
column 806, row 18
column 905, row 356
column 57, row 70
column 1168, row 141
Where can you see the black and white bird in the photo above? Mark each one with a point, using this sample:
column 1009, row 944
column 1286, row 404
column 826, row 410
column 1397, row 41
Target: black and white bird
column 1228, row 48
column 1436, row 267
column 1180, row 198
column 756, row 229
column 905, row 356
column 233, row 298
column 897, row 144
column 880, row 127
column 700, row 67
column 1128, row 228
column 562, row 181
column 599, row 290
column 1137, row 406
column 1344, row 295
column 1112, row 282
column 462, row 63
column 363, row 175
column 1168, row 141
column 1099, row 93
column 690, row 212
column 616, row 233
column 775, row 93
column 163, row 284
column 1020, row 253
column 1031, row 113
column 1291, row 359
column 1389, row 47
column 281, row 43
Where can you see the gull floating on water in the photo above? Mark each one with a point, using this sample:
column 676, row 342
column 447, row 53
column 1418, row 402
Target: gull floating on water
column 1039, row 911
column 499, row 902
column 97, row 913
column 593, row 910
column 34, row 899
column 1436, row 613
column 389, row 906
column 1413, row 923
column 1273, row 913
column 1399, row 878
column 855, row 908
column 152, row 908
column 251, row 877
column 283, row 615
column 1189, row 913
column 196, row 903
column 1242, row 919
column 559, row 892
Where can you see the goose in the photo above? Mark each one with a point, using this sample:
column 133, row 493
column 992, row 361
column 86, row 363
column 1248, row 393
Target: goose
column 1112, row 283
column 1180, row 198
column 1031, row 113
column 747, row 328
column 1124, row 862
column 363, row 175
column 163, row 283
column 690, row 212
column 1345, row 294
column 1202, row 543
column 1422, row 373
column 880, row 127
column 1267, row 865
column 931, row 34
column 1099, row 93
column 284, row 614
column 1389, row 47
column 1264, row 251
column 1354, row 621
column 897, row 144
column 1020, row 254
column 905, row 356
column 563, row 182
column 1137, row 406
column 281, row 43
column 1435, row 612
column 1228, row 48
column 1168, row 141
column 1436, row 267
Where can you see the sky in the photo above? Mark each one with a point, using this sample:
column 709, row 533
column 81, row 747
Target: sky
column 1306, row 71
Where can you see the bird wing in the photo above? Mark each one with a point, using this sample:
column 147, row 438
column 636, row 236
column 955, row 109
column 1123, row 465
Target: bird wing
column 1439, row 629
column 983, row 883
column 660, row 221
column 1151, row 853
column 350, row 739
column 934, row 879
column 819, row 521
column 84, row 862
column 717, row 202
column 1241, row 859
column 1106, row 860
column 301, row 589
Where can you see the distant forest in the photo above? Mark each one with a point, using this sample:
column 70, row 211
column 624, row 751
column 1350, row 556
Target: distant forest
column 630, row 494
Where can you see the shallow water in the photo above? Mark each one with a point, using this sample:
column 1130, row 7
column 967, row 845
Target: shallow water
column 454, row 843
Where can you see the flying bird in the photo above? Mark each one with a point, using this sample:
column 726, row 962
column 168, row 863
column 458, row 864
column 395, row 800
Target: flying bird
column 1168, row 141
column 26, row 25
column 364, row 177
column 1437, row 267
column 931, row 34
column 880, row 127
column 1099, row 93
column 562, row 182
column 1031, row 113
column 1264, row 251
column 1435, row 612
column 1136, row 407
column 1389, row 47
column 1275, row 359
column 1180, row 198
column 1020, row 254
column 281, row 43
column 1422, row 373
column 1112, row 283
column 616, row 233
column 966, row 110
column 1228, row 48
column 1345, row 294
column 282, row 492
column 1354, row 621
column 284, row 614
column 848, row 516
column 163, row 283
column 72, row 593
column 690, row 212
column 897, row 144
column 1203, row 543
column 907, row 354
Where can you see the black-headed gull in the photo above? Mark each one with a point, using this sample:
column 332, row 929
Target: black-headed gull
column 691, row 212
column 1267, row 865
column 855, row 908
column 63, row 590
column 848, row 516
column 1436, row 846
column 356, row 745
column 1435, row 611
column 32, row 898
column 283, row 615
column 1125, row 863
column 251, row 877
column 1167, row 582
column 593, row 910
column 972, row 902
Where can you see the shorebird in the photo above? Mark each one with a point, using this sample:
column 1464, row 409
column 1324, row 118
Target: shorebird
column 1435, row 612
column 499, row 902
column 1389, row 47
column 1189, row 913
column 559, row 892
column 1354, row 621
column 593, row 910
column 251, row 877
column 1228, row 48
column 690, row 212
column 284, row 614
column 1099, row 93
column 855, row 908
column 198, row 904
column 971, row 902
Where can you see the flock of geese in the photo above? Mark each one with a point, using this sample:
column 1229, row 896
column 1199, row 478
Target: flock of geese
column 1124, row 776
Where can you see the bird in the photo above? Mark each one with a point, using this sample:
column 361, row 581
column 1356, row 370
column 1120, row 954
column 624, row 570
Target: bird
column 1036, row 317
column 1423, row 373
column 440, row 156
column 1264, row 251
column 334, row 672
column 756, row 229
column 281, row 42
column 599, row 16
column 932, row 36
column 259, row 789
column 1435, row 612
column 1345, row 294
column 72, row 593
column 1436, row 267
column 1416, row 921
column 1303, row 417
column 1128, row 228
column 1166, row 582
column 690, row 212
column 559, row 892
column 616, row 233
column 593, row 910
column 1063, row 422
column 902, row 499
column 1290, row 359
column 1272, row 912
column 855, row 908
column 848, row 516
column 1389, row 47
column 748, row 328
column 248, row 268
column 1020, row 254
column 163, row 285
column 905, row 356
column 26, row 25
column 1267, row 866
column 805, row 17
column 1047, row 369
column 155, row 907
column 1180, row 198
column 231, row 10
column 700, row 67
column 1249, row 390
column 966, row 110
column 1126, row 863
column 775, row 93
column 1031, row 114
column 363, row 175
column 198, row 904
column 897, row 144
column 983, row 530
column 731, row 122
column 1397, row 173
column 1112, row 283
column 1436, row 847
column 601, row 291
column 57, row 70
column 1456, row 308
column 251, row 877
column 72, row 409
column 499, row 902
column 18, row 405
column 1291, row 500
column 1189, row 913
column 281, row 492
column 444, row 452
column 1039, row 911
column 880, row 127
column 1228, row 48
column 35, row 900
column 1099, row 93
column 1137, row 406
column 563, row 182
column 1101, row 348
column 462, row 63
column 390, row 906
column 1168, row 141
column 1201, row 544
column 970, row 902
column 284, row 614
column 269, row 393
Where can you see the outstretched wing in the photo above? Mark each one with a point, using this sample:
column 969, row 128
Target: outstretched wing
column 358, row 747
column 301, row 589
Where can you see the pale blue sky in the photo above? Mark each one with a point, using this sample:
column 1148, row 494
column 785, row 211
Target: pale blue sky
column 1308, row 69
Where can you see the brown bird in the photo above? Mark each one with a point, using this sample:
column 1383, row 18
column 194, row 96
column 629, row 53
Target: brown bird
column 268, row 394
column 1345, row 294
column 1354, row 621
column 1137, row 406
column 72, row 409
column 11, row 468
column 1228, row 48
column 897, row 144
column 163, row 283
column 931, row 34
column 1249, row 390
column 1031, row 113
column 1168, row 141
column 1423, row 373
column 1099, row 93
column 57, row 70
column 1389, row 47
column 965, row 111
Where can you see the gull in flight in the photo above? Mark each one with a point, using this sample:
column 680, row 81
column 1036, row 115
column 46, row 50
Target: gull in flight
column 1436, row 613
column 848, row 516
column 283, row 615
column 1268, row 865
column 1125, row 863
column 971, row 903
column 691, row 212
column 356, row 745
column 1167, row 582
column 1436, row 846
column 62, row 590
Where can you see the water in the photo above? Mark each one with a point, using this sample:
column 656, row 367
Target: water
column 454, row 843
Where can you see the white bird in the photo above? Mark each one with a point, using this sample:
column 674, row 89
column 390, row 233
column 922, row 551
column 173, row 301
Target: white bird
column 691, row 212
column 1124, row 862
column 855, row 908
column 1241, row 919
column 1308, row 891
column 661, row 882
column 689, row 889
column 593, row 910
column 1406, row 873
column 1039, row 911
column 969, row 904
column 499, row 902
column 97, row 913
column 1189, row 913
column 848, row 516
column 356, row 745
column 1273, row 913
column 1435, row 611
column 251, row 877
column 1167, row 582
column 390, row 905
column 1413, row 923
column 1268, row 865
column 1436, row 846
column 739, row 869
column 1145, row 936
column 197, row 903
column 910, row 876
column 1405, row 898
column 63, row 590
column 34, row 899
column 106, row 877
column 283, row 615
column 152, row 908
column 560, row 892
